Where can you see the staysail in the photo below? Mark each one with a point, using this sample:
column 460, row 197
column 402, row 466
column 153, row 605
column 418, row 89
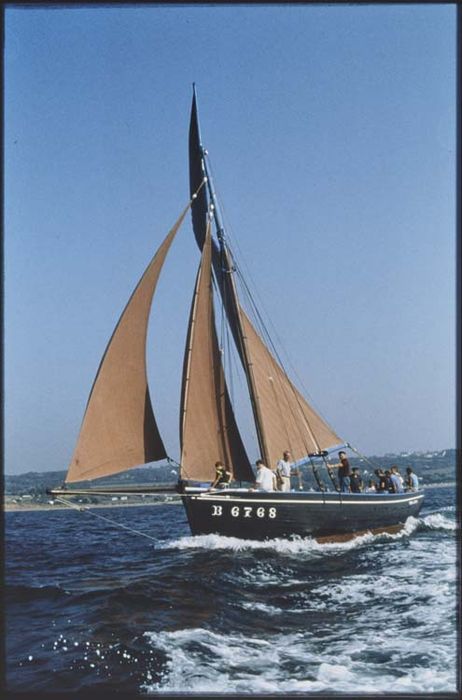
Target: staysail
column 119, row 430
column 208, row 430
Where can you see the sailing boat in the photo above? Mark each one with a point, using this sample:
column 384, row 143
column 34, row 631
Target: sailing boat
column 119, row 429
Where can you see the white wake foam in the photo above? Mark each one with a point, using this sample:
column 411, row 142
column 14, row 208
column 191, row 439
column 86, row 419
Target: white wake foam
column 388, row 627
column 308, row 545
column 202, row 661
column 438, row 521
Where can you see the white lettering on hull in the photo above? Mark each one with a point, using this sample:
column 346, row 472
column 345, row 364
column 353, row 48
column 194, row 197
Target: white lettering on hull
column 245, row 512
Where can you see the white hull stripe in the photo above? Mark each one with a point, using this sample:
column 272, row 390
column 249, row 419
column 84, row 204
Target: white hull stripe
column 207, row 497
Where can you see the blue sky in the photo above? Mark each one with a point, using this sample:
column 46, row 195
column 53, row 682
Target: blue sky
column 331, row 132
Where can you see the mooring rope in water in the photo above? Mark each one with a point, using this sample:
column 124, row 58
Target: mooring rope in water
column 103, row 517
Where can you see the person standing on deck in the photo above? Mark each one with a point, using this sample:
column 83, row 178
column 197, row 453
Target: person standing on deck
column 283, row 471
column 388, row 482
column 412, row 480
column 356, row 483
column 396, row 480
column 382, row 481
column 395, row 470
column 344, row 472
column 266, row 478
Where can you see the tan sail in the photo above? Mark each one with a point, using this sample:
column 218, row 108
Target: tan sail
column 119, row 430
column 287, row 420
column 208, row 431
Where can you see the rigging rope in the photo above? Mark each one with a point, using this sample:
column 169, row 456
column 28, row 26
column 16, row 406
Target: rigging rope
column 330, row 472
column 181, row 467
column 366, row 459
column 265, row 333
column 231, row 241
column 322, row 486
column 319, row 481
column 170, row 460
column 103, row 517
column 263, row 328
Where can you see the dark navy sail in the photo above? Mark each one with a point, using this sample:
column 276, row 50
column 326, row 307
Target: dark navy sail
column 199, row 206
column 199, row 211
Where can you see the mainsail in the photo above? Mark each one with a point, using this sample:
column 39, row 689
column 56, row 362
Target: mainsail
column 119, row 430
column 208, row 430
column 287, row 419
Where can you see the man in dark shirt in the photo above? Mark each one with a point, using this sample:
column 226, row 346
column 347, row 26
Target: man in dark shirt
column 382, row 483
column 388, row 482
column 223, row 476
column 356, row 483
column 343, row 472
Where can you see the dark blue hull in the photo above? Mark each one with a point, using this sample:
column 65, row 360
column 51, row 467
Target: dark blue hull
column 324, row 516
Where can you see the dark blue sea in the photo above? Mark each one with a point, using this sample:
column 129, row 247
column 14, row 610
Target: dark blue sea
column 94, row 607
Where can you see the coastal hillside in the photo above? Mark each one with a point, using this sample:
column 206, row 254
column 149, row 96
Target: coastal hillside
column 32, row 486
column 431, row 467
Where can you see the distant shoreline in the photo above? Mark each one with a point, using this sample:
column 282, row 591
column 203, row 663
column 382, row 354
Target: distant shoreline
column 175, row 500
column 15, row 507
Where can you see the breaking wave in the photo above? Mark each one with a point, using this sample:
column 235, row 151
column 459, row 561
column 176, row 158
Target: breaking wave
column 213, row 614
column 308, row 545
column 202, row 661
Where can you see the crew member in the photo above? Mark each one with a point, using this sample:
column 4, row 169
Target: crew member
column 344, row 472
column 266, row 478
column 283, row 472
column 356, row 483
column 223, row 476
column 396, row 480
column 412, row 480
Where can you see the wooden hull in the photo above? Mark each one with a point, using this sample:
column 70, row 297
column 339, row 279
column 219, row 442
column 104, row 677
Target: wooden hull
column 325, row 516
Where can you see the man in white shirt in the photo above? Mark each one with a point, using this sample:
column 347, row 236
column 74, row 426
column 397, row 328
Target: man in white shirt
column 284, row 470
column 397, row 479
column 412, row 481
column 266, row 480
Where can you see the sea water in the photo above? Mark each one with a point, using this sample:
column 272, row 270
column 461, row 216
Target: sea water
column 94, row 607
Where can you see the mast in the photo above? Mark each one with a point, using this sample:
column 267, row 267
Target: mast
column 282, row 415
column 224, row 272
